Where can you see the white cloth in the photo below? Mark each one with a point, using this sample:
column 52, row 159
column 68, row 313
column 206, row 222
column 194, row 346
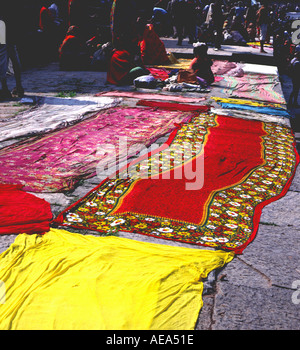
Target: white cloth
column 55, row 113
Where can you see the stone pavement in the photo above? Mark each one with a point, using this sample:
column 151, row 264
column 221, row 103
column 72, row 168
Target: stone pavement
column 258, row 290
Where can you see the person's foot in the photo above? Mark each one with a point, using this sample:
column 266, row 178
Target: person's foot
column 18, row 92
column 5, row 95
column 263, row 51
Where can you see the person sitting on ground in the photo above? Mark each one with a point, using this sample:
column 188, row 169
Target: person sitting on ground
column 201, row 64
column 236, row 34
column 124, row 66
column 153, row 50
column 73, row 53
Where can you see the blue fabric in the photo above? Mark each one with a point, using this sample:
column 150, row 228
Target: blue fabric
column 263, row 110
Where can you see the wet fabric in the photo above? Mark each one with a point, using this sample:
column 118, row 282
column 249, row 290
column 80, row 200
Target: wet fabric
column 67, row 281
column 56, row 161
column 206, row 186
column 53, row 113
column 21, row 211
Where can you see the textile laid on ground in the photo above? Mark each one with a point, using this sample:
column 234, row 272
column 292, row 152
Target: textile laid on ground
column 218, row 67
column 264, row 110
column 259, row 87
column 67, row 281
column 252, row 115
column 257, row 43
column 57, row 161
column 21, row 211
column 159, row 73
column 222, row 68
column 173, row 106
column 181, row 63
column 152, row 96
column 208, row 187
column 248, row 102
column 54, row 113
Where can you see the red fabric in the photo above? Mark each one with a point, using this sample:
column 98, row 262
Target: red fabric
column 234, row 149
column 173, row 106
column 153, row 50
column 226, row 162
column 159, row 73
column 119, row 66
column 22, row 212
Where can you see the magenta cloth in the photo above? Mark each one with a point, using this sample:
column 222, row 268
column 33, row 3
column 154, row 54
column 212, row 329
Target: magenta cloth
column 152, row 96
column 57, row 161
column 218, row 79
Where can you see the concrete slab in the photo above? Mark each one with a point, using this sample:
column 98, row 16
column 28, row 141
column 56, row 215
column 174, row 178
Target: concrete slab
column 244, row 308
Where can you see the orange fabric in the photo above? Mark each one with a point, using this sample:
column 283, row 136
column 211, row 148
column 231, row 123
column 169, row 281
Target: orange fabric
column 153, row 50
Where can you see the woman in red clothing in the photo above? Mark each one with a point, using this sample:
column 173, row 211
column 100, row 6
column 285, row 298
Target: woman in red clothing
column 125, row 64
column 73, row 53
column 153, row 50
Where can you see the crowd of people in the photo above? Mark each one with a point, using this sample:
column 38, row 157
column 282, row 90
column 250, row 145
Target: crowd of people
column 123, row 36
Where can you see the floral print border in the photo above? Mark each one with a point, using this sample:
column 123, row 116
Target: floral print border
column 230, row 213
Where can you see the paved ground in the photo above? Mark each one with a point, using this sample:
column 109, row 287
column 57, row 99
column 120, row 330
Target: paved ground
column 257, row 290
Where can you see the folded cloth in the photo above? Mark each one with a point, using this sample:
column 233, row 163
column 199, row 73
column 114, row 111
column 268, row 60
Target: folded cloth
column 67, row 281
column 22, row 212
